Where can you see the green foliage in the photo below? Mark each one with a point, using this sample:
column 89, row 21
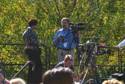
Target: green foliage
column 106, row 20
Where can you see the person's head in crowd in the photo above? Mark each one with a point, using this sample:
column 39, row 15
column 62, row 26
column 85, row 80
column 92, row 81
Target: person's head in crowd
column 3, row 80
column 65, row 22
column 68, row 61
column 17, row 81
column 1, row 76
column 32, row 23
column 112, row 81
column 60, row 75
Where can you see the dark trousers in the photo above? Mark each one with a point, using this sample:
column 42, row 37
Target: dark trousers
column 35, row 67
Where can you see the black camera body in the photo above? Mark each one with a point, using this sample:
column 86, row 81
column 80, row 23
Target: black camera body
column 119, row 76
column 78, row 26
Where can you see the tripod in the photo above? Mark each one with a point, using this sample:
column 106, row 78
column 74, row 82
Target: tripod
column 88, row 63
column 25, row 65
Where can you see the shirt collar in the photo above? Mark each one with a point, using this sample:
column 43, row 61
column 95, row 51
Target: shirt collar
column 66, row 28
column 30, row 28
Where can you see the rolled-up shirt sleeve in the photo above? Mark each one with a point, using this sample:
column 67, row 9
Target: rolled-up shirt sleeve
column 121, row 44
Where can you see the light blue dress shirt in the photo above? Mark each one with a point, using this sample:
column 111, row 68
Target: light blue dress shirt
column 65, row 39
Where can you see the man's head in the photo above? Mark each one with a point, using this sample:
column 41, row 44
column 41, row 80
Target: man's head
column 17, row 81
column 68, row 61
column 65, row 22
column 59, row 75
column 32, row 22
column 112, row 81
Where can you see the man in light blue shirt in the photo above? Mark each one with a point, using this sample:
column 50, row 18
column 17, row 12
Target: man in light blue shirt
column 65, row 40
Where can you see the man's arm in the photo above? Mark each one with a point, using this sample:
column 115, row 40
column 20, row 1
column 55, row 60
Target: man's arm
column 57, row 38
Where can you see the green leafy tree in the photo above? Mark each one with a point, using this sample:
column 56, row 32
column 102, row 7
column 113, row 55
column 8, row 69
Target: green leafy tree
column 106, row 20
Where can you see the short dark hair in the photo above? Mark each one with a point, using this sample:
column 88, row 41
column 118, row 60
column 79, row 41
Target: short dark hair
column 32, row 22
column 58, row 75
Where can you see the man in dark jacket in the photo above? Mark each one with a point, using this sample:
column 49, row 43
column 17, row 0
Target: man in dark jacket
column 32, row 50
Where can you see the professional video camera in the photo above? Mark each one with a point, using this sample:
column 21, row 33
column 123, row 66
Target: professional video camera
column 78, row 26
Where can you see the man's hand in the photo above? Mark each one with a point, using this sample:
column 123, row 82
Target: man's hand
column 61, row 38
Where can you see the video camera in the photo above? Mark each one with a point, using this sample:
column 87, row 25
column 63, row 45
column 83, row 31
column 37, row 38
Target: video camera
column 118, row 76
column 78, row 26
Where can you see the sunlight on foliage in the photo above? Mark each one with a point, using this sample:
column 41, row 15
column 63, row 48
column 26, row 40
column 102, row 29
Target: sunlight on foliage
column 106, row 19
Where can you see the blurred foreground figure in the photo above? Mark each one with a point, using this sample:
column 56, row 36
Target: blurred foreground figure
column 59, row 75
column 112, row 81
column 17, row 81
column 3, row 80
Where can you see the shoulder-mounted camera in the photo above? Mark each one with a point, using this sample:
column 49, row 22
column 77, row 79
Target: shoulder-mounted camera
column 78, row 26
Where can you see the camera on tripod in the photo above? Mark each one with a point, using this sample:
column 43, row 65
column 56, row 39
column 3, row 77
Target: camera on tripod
column 78, row 26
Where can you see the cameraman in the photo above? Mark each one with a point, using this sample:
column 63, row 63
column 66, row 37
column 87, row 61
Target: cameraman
column 65, row 40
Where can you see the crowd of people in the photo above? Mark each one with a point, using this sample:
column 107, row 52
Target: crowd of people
column 65, row 40
column 59, row 75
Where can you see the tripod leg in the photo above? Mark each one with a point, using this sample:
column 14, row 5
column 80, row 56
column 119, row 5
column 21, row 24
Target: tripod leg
column 26, row 64
column 30, row 73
